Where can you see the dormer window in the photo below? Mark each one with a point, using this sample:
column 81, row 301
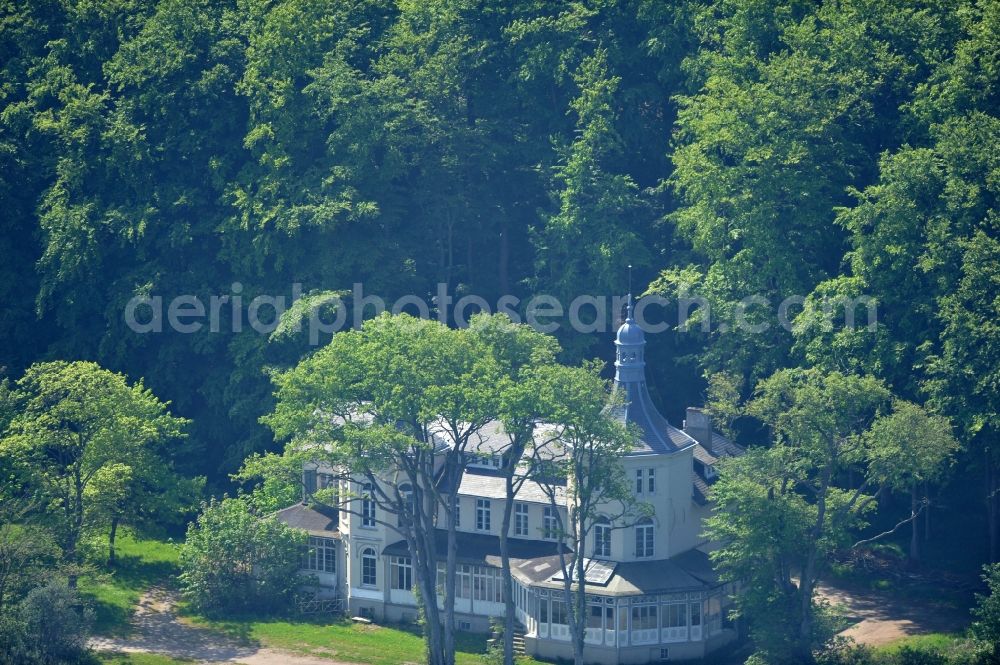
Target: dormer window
column 710, row 472
column 484, row 462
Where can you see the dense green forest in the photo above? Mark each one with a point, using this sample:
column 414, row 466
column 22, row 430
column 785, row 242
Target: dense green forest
column 729, row 148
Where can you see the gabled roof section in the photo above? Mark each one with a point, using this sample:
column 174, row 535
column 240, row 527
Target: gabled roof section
column 315, row 518
column 703, row 458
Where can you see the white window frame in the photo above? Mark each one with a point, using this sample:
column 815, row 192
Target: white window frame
column 645, row 539
column 694, row 620
column 367, row 507
column 602, row 539
column 647, row 612
column 483, row 518
column 369, row 555
column 639, row 484
column 550, row 523
column 401, row 566
column 651, row 481
column 321, row 555
column 675, row 633
column 520, row 519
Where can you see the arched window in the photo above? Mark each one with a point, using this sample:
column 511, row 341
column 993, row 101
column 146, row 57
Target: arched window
column 369, row 567
column 644, row 537
column 602, row 537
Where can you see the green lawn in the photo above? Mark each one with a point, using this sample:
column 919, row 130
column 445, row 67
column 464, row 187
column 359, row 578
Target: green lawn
column 115, row 593
column 354, row 642
column 938, row 643
column 143, row 563
column 934, row 648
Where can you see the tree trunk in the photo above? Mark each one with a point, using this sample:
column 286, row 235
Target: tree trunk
column 578, row 612
column 506, row 579
column 914, row 526
column 808, row 580
column 450, row 574
column 432, row 627
column 424, row 551
column 112, row 559
column 76, row 528
column 992, row 507
column 469, row 263
column 806, row 591
column 927, row 513
column 504, row 268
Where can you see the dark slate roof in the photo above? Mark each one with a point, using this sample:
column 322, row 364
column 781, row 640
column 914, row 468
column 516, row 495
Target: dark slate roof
column 488, row 485
column 538, row 570
column 689, row 571
column 491, row 439
column 700, row 488
column 702, row 455
column 657, row 435
column 537, row 562
column 721, row 448
column 314, row 518
column 481, row 548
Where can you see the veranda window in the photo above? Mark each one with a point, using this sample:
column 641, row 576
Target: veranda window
column 644, row 624
column 401, row 573
column 675, row 622
column 321, row 555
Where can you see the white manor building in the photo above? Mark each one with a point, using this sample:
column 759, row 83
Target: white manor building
column 655, row 596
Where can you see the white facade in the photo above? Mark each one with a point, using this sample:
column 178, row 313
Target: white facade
column 660, row 601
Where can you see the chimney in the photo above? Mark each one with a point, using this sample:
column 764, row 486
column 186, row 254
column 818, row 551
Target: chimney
column 698, row 425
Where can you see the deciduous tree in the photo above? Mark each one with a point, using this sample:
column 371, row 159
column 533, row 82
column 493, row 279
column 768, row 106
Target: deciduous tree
column 77, row 421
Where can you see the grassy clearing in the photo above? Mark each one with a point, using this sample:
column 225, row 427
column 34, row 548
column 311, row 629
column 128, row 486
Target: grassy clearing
column 935, row 648
column 939, row 643
column 115, row 593
column 348, row 641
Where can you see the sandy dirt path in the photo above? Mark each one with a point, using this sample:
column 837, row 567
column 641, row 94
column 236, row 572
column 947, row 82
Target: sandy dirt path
column 882, row 620
column 157, row 630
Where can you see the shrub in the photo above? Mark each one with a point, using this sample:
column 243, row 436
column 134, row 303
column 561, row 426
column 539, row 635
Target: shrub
column 236, row 562
column 910, row 656
column 49, row 626
column 986, row 628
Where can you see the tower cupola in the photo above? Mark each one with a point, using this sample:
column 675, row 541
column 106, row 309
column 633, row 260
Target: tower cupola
column 657, row 435
column 630, row 344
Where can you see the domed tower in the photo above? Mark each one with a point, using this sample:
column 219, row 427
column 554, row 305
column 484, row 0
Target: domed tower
column 658, row 436
column 630, row 365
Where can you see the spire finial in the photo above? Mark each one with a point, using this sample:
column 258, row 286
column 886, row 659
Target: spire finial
column 628, row 316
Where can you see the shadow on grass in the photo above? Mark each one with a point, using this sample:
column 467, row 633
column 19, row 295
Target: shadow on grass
column 238, row 629
column 114, row 592
column 123, row 658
